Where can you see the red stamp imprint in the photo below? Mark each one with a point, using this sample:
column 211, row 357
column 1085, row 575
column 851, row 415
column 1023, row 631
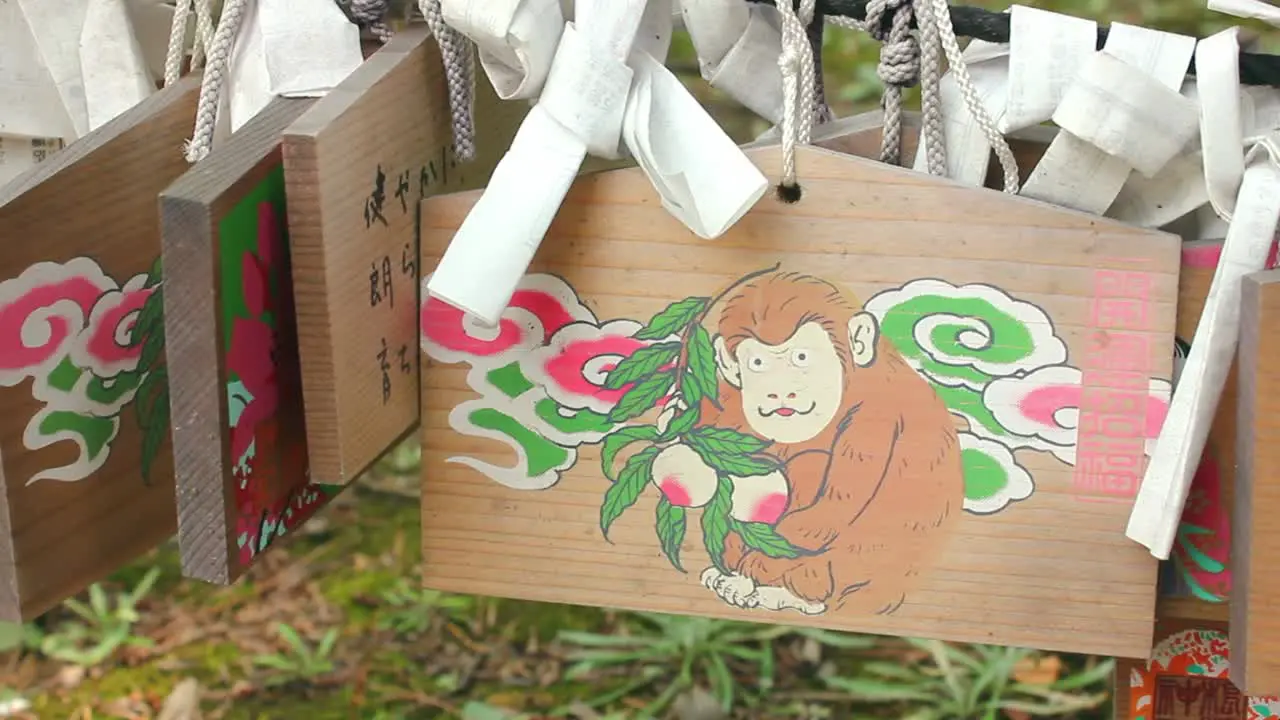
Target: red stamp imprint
column 1112, row 430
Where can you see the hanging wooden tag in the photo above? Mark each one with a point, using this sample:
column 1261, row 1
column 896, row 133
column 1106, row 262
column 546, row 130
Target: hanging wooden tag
column 85, row 461
column 1191, row 675
column 239, row 440
column 356, row 165
column 735, row 429
column 1255, row 628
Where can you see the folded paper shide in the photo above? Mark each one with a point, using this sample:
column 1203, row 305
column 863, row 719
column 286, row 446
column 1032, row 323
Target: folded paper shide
column 600, row 86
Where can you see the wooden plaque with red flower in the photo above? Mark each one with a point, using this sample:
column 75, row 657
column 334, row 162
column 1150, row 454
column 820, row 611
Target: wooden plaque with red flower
column 236, row 385
column 86, row 472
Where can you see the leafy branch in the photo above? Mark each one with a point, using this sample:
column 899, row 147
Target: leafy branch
column 679, row 368
column 151, row 403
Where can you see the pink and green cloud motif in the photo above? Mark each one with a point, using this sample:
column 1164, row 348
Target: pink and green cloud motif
column 78, row 335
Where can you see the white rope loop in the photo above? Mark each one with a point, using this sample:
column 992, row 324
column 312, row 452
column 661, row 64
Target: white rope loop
column 798, row 91
column 215, row 78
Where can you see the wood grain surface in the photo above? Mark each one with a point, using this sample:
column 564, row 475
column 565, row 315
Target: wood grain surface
column 356, row 165
column 86, row 468
column 1255, row 552
column 214, row 250
column 1050, row 570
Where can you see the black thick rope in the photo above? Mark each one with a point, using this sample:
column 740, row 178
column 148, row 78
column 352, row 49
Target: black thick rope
column 1255, row 68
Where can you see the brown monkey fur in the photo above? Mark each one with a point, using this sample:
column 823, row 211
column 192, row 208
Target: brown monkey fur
column 874, row 494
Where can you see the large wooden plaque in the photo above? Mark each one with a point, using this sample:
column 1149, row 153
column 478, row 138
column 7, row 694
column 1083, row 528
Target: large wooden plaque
column 86, row 470
column 236, row 384
column 356, row 165
column 899, row 406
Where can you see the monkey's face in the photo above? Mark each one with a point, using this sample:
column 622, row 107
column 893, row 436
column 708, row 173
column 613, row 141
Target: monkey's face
column 790, row 392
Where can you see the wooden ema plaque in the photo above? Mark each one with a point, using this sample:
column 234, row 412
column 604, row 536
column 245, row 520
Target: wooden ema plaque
column 1189, row 677
column 1255, row 627
column 803, row 422
column 86, row 470
column 356, row 165
column 236, row 385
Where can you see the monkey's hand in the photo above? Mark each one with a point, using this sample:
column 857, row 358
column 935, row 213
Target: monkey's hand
column 734, row 589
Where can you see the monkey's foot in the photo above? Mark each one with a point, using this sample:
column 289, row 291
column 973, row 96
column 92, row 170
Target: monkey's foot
column 780, row 598
column 735, row 590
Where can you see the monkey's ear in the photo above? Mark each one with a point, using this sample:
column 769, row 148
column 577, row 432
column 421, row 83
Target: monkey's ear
column 727, row 364
column 864, row 332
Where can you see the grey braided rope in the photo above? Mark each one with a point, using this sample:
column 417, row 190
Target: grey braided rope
column 931, row 126
column 215, row 76
column 905, row 59
column 460, row 73
column 372, row 15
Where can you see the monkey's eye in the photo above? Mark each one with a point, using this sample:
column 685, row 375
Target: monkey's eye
column 800, row 357
column 757, row 364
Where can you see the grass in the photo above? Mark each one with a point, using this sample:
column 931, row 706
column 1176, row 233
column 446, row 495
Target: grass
column 332, row 624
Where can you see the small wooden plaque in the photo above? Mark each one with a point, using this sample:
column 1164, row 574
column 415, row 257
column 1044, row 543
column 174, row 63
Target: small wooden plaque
column 960, row 499
column 1191, row 676
column 1255, row 557
column 86, row 470
column 356, row 165
column 236, row 383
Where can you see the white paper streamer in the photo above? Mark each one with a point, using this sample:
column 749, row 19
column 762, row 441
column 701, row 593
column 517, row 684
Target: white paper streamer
column 1046, row 50
column 114, row 70
column 1221, row 125
column 1077, row 174
column 18, row 154
column 604, row 87
column 56, row 26
column 309, row 46
column 738, row 45
column 29, row 101
column 1127, row 114
column 1158, row 507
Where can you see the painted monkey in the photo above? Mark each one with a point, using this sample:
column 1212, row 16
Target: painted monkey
column 869, row 452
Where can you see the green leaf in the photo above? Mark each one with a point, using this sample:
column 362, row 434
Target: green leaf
column 702, row 364
column 615, row 441
column 680, row 424
column 671, row 524
column 635, row 475
column 153, row 435
column 150, row 317
column 674, row 318
column 715, row 521
column 728, row 441
column 764, row 538
column 874, row 691
column 642, row 396
column 152, row 346
column 149, row 392
column 729, row 451
column 690, row 389
column 641, row 364
column 155, row 275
